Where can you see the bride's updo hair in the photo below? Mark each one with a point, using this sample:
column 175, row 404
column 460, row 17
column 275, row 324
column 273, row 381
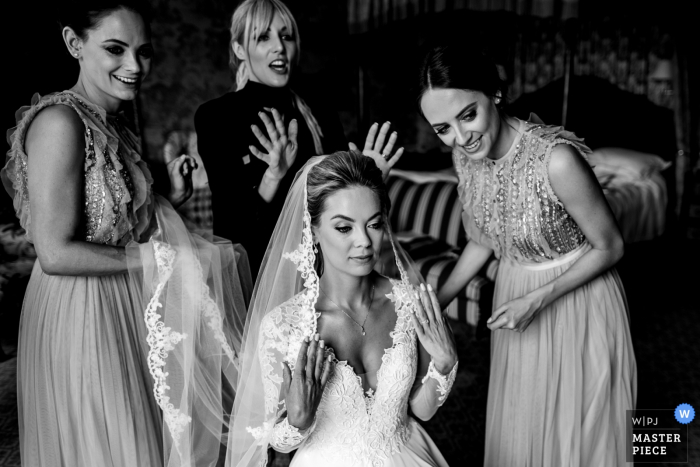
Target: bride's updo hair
column 338, row 171
column 82, row 16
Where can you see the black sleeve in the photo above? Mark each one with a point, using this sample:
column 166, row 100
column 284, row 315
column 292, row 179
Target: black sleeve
column 237, row 207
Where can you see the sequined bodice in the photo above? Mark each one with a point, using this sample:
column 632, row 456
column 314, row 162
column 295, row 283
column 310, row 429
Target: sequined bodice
column 509, row 204
column 366, row 427
column 117, row 188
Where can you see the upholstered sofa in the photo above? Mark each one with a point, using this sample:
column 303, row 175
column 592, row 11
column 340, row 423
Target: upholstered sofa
column 426, row 215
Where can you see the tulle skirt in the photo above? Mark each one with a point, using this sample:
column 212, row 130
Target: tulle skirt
column 84, row 392
column 559, row 391
column 134, row 369
column 419, row 451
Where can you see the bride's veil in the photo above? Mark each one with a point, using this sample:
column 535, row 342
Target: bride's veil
column 287, row 270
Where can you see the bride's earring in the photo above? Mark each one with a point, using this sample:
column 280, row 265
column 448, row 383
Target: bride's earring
column 315, row 248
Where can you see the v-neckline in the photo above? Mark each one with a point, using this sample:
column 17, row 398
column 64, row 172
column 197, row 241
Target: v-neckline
column 371, row 392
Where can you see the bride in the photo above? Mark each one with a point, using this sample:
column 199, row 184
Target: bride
column 334, row 352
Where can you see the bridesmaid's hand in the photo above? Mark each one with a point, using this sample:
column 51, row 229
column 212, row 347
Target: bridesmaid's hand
column 373, row 148
column 515, row 315
column 281, row 147
column 304, row 389
column 180, row 173
column 434, row 331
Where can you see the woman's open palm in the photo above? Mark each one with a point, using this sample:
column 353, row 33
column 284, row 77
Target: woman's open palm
column 377, row 150
column 434, row 331
column 302, row 390
column 281, row 146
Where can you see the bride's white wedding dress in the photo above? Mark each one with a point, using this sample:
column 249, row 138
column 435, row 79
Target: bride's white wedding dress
column 353, row 426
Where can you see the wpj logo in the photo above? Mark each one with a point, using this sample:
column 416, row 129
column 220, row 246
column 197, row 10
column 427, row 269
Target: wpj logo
column 658, row 435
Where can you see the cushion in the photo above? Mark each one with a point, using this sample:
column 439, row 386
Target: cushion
column 628, row 162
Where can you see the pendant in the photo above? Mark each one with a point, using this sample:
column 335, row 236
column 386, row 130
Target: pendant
column 363, row 331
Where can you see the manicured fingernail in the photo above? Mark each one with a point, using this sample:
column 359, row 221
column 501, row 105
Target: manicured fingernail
column 394, row 133
column 422, row 287
column 387, row 122
column 330, row 358
column 321, row 344
column 430, row 287
column 375, row 124
column 316, row 337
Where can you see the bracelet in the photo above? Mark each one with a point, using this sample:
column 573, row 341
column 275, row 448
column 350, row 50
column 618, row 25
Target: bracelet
column 444, row 382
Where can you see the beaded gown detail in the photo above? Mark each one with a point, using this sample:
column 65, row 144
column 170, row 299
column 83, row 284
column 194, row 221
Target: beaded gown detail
column 95, row 384
column 558, row 392
column 355, row 426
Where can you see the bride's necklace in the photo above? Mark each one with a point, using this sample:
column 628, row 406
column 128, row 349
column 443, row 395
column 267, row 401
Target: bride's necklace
column 362, row 326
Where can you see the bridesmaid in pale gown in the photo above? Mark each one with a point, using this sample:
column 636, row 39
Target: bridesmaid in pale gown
column 563, row 372
column 119, row 283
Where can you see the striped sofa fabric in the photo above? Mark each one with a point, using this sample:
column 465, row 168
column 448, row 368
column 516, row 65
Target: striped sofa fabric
column 433, row 209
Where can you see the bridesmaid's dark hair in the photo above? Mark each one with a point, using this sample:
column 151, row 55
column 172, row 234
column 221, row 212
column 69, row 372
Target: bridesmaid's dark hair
column 85, row 15
column 338, row 171
column 458, row 67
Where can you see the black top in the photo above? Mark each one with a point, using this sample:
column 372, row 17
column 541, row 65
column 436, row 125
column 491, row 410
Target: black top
column 223, row 136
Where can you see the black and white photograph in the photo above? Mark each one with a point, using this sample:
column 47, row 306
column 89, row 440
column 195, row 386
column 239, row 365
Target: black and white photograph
column 373, row 233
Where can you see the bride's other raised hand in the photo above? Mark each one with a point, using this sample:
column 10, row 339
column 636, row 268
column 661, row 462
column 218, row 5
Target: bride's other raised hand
column 434, row 331
column 281, row 146
column 303, row 389
column 377, row 150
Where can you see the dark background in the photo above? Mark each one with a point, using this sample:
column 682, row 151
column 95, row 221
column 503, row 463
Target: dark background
column 191, row 66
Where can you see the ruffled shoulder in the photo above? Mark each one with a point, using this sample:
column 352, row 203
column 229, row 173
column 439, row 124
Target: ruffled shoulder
column 542, row 139
column 14, row 173
column 554, row 135
column 101, row 142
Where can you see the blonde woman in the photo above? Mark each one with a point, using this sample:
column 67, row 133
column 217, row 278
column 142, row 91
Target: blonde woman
column 254, row 139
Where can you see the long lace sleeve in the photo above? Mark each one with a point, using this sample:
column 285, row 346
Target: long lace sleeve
column 432, row 392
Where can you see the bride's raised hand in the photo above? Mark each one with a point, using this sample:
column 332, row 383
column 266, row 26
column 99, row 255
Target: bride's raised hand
column 303, row 389
column 375, row 148
column 434, row 331
column 281, row 146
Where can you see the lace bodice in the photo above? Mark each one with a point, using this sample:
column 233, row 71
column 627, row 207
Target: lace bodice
column 350, row 424
column 118, row 200
column 509, row 204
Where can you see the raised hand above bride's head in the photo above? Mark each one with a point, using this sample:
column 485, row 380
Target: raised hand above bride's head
column 377, row 150
column 281, row 145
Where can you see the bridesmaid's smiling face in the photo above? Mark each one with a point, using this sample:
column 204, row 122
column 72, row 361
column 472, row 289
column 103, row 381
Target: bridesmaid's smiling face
column 350, row 231
column 115, row 57
column 467, row 121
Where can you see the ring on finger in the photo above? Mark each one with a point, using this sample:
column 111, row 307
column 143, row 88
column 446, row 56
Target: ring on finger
column 386, row 156
column 423, row 321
